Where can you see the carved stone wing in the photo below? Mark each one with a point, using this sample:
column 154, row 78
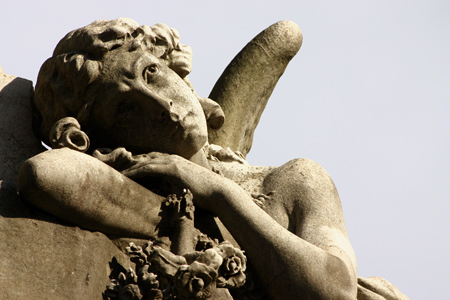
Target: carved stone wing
column 245, row 86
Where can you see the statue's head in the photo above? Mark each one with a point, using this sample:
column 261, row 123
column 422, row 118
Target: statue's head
column 127, row 87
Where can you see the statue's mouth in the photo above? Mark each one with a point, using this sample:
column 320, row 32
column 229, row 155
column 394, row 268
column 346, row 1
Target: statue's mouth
column 174, row 122
column 175, row 117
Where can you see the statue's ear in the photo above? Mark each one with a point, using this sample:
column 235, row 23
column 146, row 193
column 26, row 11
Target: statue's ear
column 214, row 114
column 67, row 133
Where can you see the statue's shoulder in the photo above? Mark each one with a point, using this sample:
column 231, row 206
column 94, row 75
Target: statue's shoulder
column 238, row 172
column 303, row 168
column 304, row 185
column 291, row 181
column 249, row 177
column 299, row 171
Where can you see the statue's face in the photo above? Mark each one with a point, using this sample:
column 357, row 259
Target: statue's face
column 144, row 106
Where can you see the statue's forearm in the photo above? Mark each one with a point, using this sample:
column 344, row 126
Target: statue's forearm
column 289, row 266
column 80, row 189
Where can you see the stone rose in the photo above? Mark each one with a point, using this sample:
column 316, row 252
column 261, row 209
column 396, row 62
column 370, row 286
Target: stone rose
column 195, row 281
column 234, row 264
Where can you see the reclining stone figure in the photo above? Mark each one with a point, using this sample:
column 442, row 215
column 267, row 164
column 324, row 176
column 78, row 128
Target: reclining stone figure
column 120, row 93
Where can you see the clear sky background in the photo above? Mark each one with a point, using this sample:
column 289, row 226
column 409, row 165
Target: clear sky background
column 367, row 97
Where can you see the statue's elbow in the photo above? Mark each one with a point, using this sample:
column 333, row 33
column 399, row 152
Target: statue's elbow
column 33, row 184
column 346, row 291
column 343, row 283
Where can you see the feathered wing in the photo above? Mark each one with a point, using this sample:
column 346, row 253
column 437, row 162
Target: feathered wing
column 245, row 86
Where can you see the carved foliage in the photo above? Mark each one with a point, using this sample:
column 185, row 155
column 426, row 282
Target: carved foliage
column 160, row 274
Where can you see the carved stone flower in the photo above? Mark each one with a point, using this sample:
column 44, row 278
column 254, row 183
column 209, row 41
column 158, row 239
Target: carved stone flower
column 209, row 257
column 137, row 255
column 130, row 292
column 232, row 265
column 146, row 279
column 231, row 272
column 195, row 281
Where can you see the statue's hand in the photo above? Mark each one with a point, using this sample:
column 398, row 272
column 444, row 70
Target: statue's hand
column 180, row 173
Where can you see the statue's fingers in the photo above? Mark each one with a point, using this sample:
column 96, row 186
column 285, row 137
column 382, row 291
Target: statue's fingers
column 148, row 169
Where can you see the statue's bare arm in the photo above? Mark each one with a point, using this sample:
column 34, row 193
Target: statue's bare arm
column 79, row 189
column 314, row 262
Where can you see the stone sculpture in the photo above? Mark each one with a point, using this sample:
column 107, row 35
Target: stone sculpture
column 131, row 159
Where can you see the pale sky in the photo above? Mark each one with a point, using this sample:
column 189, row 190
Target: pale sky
column 367, row 97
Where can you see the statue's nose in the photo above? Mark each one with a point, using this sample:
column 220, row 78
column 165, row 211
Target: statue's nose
column 169, row 114
column 162, row 108
column 164, row 105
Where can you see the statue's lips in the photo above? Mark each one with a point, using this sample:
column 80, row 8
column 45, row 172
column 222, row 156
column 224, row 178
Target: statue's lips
column 175, row 123
column 184, row 127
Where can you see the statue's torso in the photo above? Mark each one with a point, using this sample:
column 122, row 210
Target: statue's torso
column 266, row 193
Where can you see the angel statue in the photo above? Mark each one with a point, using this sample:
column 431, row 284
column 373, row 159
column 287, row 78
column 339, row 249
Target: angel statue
column 137, row 153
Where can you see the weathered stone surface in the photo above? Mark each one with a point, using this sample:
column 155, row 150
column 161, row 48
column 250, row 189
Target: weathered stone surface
column 119, row 92
column 377, row 288
column 43, row 260
column 39, row 258
column 87, row 201
column 245, row 86
column 17, row 141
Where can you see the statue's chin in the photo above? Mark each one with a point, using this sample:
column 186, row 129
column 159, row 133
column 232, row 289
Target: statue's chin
column 194, row 143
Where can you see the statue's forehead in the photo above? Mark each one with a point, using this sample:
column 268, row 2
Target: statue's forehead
column 132, row 62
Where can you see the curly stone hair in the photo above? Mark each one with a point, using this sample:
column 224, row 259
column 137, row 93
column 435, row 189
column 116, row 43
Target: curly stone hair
column 64, row 80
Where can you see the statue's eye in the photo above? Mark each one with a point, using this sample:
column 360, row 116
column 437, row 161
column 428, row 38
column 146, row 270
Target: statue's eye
column 149, row 72
column 153, row 69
